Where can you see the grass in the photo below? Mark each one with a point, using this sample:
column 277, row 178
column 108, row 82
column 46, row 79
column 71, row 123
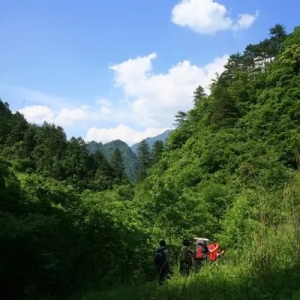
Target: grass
column 268, row 268
column 217, row 281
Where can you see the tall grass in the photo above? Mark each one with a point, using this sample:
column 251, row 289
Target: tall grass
column 268, row 267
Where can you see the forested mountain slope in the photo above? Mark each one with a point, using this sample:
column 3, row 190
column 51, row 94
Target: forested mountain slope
column 151, row 140
column 128, row 156
column 45, row 150
column 230, row 172
column 236, row 145
column 231, row 169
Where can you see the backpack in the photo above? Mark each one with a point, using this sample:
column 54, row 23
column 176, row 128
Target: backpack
column 185, row 255
column 159, row 257
column 199, row 252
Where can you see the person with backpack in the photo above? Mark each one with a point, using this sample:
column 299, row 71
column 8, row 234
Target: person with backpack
column 214, row 252
column 201, row 254
column 161, row 261
column 186, row 258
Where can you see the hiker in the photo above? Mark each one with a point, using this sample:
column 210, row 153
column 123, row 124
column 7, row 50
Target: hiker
column 214, row 252
column 161, row 261
column 201, row 254
column 186, row 258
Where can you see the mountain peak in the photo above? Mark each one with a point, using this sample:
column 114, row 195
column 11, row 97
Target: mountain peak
column 151, row 140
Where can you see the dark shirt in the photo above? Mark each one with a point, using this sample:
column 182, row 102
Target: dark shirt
column 166, row 252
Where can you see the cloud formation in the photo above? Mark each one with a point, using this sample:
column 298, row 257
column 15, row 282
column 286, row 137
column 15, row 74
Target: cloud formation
column 209, row 17
column 69, row 116
column 152, row 101
column 65, row 117
column 121, row 132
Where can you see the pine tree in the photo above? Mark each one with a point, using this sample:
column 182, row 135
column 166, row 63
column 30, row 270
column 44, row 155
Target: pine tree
column 144, row 160
column 156, row 151
column 117, row 163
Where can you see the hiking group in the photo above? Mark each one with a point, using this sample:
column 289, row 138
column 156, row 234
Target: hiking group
column 190, row 259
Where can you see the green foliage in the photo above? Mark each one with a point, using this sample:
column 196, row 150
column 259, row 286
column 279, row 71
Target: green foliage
column 151, row 140
column 117, row 164
column 229, row 172
column 66, row 239
column 46, row 151
column 157, row 151
column 128, row 156
column 224, row 112
column 144, row 160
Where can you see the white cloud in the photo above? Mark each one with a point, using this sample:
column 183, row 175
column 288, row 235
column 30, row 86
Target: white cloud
column 122, row 132
column 246, row 20
column 132, row 72
column 152, row 101
column 69, row 117
column 156, row 98
column 65, row 117
column 208, row 17
column 37, row 113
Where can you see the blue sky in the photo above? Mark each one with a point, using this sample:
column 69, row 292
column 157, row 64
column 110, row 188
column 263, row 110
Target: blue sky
column 122, row 68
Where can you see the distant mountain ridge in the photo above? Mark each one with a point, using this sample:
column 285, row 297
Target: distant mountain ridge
column 129, row 154
column 151, row 140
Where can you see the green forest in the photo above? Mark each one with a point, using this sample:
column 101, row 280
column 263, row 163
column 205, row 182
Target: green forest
column 74, row 225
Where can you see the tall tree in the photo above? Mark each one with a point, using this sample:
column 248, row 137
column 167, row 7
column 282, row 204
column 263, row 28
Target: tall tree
column 117, row 163
column 75, row 163
column 156, row 151
column 277, row 36
column 180, row 118
column 104, row 173
column 199, row 94
column 144, row 160
column 18, row 128
column 224, row 111
column 49, row 150
column 5, row 116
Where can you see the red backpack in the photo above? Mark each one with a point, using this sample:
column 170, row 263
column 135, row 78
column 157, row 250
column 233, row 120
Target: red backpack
column 199, row 252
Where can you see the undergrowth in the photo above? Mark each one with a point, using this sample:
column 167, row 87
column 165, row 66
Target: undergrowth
column 214, row 282
column 268, row 268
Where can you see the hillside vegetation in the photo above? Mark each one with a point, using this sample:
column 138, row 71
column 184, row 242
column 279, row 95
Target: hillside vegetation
column 109, row 151
column 131, row 156
column 151, row 140
column 229, row 171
